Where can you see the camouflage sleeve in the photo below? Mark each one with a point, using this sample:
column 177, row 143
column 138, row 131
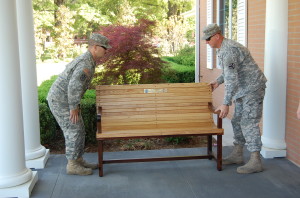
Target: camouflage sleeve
column 77, row 84
column 220, row 79
column 231, row 64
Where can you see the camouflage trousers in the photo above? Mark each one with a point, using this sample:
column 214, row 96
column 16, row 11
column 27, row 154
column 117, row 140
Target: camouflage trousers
column 74, row 133
column 246, row 119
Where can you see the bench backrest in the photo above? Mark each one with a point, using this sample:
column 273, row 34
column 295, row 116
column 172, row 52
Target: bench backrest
column 146, row 107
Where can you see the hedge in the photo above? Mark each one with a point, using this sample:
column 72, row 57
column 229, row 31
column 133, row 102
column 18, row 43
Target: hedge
column 175, row 73
column 180, row 68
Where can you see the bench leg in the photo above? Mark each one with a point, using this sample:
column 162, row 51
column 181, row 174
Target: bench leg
column 209, row 146
column 219, row 152
column 100, row 157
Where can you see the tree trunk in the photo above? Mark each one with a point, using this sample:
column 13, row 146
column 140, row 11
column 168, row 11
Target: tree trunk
column 172, row 9
column 58, row 3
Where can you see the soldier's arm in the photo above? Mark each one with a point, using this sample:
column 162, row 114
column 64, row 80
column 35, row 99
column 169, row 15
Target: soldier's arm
column 231, row 64
column 220, row 79
column 77, row 84
column 215, row 84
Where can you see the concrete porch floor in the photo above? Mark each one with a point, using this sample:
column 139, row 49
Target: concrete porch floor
column 173, row 179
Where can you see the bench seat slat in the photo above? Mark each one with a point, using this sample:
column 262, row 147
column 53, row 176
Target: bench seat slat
column 158, row 101
column 106, row 106
column 147, row 86
column 158, row 132
column 154, row 124
column 155, row 98
column 144, row 95
column 162, row 109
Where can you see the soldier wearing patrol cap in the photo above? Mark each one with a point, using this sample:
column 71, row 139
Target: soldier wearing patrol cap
column 245, row 84
column 64, row 101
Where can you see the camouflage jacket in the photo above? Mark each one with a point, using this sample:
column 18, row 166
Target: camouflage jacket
column 72, row 83
column 240, row 73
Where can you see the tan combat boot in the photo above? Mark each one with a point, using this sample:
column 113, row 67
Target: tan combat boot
column 253, row 166
column 74, row 168
column 83, row 163
column 235, row 157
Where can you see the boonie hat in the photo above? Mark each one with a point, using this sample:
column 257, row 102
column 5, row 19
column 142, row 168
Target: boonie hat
column 210, row 30
column 101, row 40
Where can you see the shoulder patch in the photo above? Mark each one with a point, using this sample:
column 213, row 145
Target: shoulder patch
column 231, row 66
column 87, row 71
column 83, row 77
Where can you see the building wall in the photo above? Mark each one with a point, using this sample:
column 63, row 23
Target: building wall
column 255, row 43
column 293, row 84
column 256, row 30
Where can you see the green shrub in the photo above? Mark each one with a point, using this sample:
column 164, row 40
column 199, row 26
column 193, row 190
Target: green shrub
column 181, row 68
column 43, row 89
column 90, row 94
column 175, row 73
column 89, row 116
column 186, row 56
column 48, row 125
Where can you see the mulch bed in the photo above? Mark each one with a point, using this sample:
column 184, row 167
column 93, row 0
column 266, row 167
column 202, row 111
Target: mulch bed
column 58, row 146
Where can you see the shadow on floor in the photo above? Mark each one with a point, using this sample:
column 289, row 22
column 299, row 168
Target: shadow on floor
column 173, row 179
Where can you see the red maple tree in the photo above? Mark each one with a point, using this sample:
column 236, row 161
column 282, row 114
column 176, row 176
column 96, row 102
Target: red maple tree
column 132, row 58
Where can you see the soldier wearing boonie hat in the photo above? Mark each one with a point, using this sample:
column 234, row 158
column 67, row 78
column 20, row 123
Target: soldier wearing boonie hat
column 245, row 84
column 210, row 30
column 100, row 40
column 64, row 101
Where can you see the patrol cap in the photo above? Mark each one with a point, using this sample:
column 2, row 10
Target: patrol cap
column 100, row 40
column 210, row 30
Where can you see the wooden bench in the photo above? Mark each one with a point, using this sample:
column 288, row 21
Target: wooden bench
column 155, row 111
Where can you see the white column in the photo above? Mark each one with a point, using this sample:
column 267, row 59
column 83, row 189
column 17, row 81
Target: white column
column 15, row 179
column 276, row 38
column 197, row 42
column 36, row 155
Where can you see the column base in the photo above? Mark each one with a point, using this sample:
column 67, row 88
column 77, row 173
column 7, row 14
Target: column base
column 38, row 163
column 272, row 153
column 21, row 191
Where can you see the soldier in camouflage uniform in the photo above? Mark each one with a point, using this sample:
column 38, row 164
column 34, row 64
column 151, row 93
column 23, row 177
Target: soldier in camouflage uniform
column 245, row 84
column 64, row 101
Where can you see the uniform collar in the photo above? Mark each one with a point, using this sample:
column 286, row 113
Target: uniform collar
column 222, row 45
column 89, row 55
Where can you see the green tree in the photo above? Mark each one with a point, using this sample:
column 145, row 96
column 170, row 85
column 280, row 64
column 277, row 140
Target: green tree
column 172, row 34
column 89, row 15
column 132, row 59
column 43, row 23
column 126, row 14
column 63, row 32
